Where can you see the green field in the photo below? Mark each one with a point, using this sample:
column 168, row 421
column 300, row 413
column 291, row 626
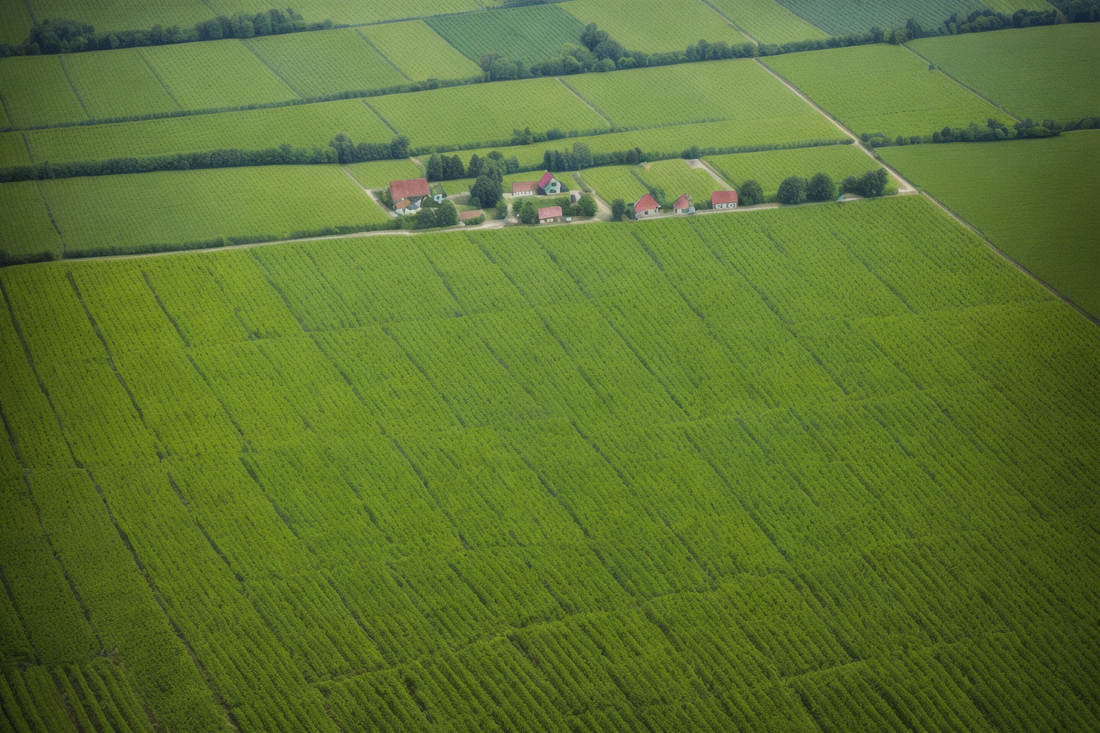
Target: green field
column 825, row 468
column 1035, row 200
column 12, row 149
column 684, row 93
column 26, row 233
column 166, row 210
column 317, row 64
column 379, row 173
column 529, row 34
column 615, row 182
column 840, row 17
column 770, row 168
column 36, row 92
column 117, row 84
column 643, row 25
column 374, row 11
column 243, row 79
column 883, row 88
column 419, row 52
column 674, row 177
column 123, row 16
column 1008, row 7
column 485, row 112
column 304, row 126
column 15, row 22
column 1042, row 73
column 767, row 21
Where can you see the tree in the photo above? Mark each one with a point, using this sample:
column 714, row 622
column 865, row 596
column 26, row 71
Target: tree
column 593, row 36
column 618, row 207
column 446, row 215
column 476, row 164
column 435, row 168
column 399, row 147
column 486, row 190
column 529, row 214
column 750, row 194
column 453, row 168
column 587, row 205
column 792, row 190
column 821, row 188
column 426, row 219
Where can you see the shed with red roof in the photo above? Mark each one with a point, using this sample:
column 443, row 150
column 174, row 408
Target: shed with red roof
column 723, row 200
column 549, row 214
column 646, row 206
column 684, row 205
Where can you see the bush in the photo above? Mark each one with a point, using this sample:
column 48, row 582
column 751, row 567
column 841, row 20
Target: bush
column 821, row 188
column 750, row 194
column 587, row 205
column 618, row 208
column 475, row 221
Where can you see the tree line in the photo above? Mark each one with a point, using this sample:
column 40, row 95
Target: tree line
column 71, row 36
column 992, row 131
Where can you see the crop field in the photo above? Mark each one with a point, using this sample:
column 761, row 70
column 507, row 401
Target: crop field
column 1008, row 7
column 13, row 151
column 166, row 210
column 242, row 79
column 116, row 84
column 374, row 11
column 616, row 182
column 674, row 177
column 463, row 184
column 122, row 16
column 684, row 93
column 632, row 23
column 485, row 112
column 316, row 64
column 529, row 34
column 36, row 92
column 1034, row 199
column 771, row 167
column 305, row 126
column 419, row 52
column 830, row 467
column 15, row 22
column 767, row 21
column 883, row 88
column 26, row 233
column 1042, row 73
column 378, row 174
column 840, row 17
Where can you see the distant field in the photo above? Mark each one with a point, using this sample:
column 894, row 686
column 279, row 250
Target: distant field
column 686, row 93
column 529, row 34
column 770, row 168
column 36, row 92
column 1008, row 7
column 303, row 126
column 373, row 11
column 676, row 177
column 1047, row 72
column 117, row 84
column 120, row 214
column 4, row 121
column 883, row 88
column 615, row 182
column 15, row 22
column 242, row 79
column 326, row 62
column 767, row 21
column 419, row 52
column 485, row 112
column 644, row 25
column 13, row 151
column 1035, row 199
column 841, row 17
column 378, row 174
column 26, row 233
column 125, row 16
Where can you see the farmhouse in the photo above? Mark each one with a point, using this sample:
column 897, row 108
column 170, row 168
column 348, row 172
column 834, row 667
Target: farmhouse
column 646, row 206
column 548, row 185
column 723, row 200
column 684, row 205
column 525, row 188
column 549, row 214
column 408, row 195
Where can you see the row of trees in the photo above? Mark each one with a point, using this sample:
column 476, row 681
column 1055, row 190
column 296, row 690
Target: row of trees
column 348, row 152
column 70, row 36
column 990, row 20
column 992, row 131
column 1078, row 11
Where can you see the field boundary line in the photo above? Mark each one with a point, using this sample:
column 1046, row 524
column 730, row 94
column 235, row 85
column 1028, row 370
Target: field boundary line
column 164, row 86
column 731, row 21
column 272, row 69
column 69, row 78
column 7, row 112
column 30, row 11
column 27, row 145
column 379, row 52
column 379, row 116
column 579, row 96
column 49, row 213
column 369, row 195
column 962, row 84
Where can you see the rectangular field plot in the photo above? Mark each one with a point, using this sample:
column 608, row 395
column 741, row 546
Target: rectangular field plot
column 670, row 177
column 883, row 88
column 767, row 21
column 117, row 84
column 771, row 167
column 615, row 182
column 670, row 25
column 841, row 17
column 715, row 90
column 485, row 112
column 378, row 174
column 26, row 234
column 13, row 151
column 1056, row 235
column 418, row 51
column 375, row 11
column 124, row 16
column 120, row 214
column 1043, row 73
column 36, row 92
column 528, row 34
column 305, row 126
column 215, row 74
column 15, row 23
column 327, row 62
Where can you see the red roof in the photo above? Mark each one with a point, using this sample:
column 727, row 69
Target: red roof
column 408, row 189
column 403, row 204
column 646, row 203
column 550, row 212
column 524, row 186
column 683, row 202
column 723, row 197
column 467, row 215
column 546, row 178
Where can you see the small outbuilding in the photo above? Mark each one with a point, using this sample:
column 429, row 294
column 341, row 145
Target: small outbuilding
column 548, row 185
column 408, row 195
column 723, row 200
column 470, row 215
column 575, row 196
column 549, row 214
column 525, row 188
column 407, row 206
column 646, row 206
column 684, row 205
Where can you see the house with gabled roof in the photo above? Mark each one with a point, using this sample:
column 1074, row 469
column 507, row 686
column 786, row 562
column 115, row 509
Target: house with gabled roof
column 409, row 195
column 723, row 200
column 549, row 214
column 548, row 185
column 525, row 188
column 646, row 206
column 684, row 205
